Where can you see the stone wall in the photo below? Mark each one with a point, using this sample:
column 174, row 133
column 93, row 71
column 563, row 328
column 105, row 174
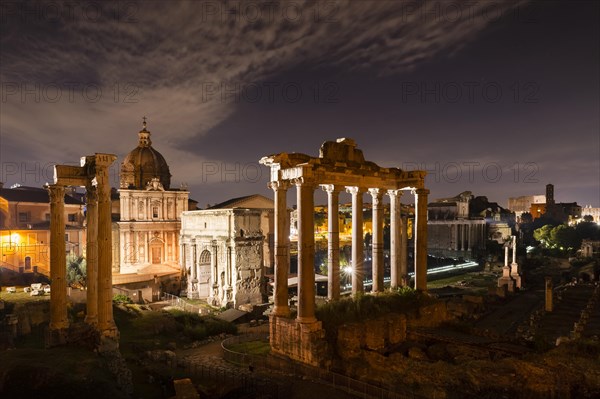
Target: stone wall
column 385, row 332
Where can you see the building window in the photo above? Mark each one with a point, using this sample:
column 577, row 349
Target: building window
column 67, row 237
column 47, row 216
column 72, row 217
column 154, row 211
column 23, row 217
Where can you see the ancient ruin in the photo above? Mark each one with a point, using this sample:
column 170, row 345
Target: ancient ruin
column 93, row 175
column 510, row 273
column 340, row 166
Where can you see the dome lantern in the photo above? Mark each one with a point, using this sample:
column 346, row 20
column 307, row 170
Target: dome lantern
column 143, row 164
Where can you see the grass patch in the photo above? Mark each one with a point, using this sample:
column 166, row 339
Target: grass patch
column 22, row 297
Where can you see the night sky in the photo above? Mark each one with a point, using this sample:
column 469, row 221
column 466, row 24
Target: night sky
column 497, row 98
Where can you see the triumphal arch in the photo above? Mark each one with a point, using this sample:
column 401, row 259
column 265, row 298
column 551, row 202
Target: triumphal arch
column 93, row 175
column 340, row 166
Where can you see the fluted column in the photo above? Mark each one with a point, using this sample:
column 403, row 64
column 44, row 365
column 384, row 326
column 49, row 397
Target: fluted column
column 282, row 245
column 92, row 255
column 404, row 250
column 395, row 238
column 357, row 240
column 333, row 241
column 106, row 323
column 421, row 239
column 58, row 261
column 306, row 251
column 469, row 237
column 377, row 243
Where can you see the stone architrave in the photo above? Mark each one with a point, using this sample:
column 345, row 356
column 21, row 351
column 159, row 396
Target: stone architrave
column 340, row 164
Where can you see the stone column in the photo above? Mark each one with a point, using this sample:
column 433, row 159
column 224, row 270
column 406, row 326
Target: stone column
column 357, row 240
column 92, row 255
column 377, row 247
column 404, row 250
column 194, row 270
column 469, row 237
column 421, row 239
column 106, row 323
column 282, row 246
column 395, row 236
column 333, row 242
column 306, row 251
column 58, row 260
column 455, row 231
column 147, row 258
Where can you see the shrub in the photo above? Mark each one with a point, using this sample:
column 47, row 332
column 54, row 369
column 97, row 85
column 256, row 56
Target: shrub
column 121, row 298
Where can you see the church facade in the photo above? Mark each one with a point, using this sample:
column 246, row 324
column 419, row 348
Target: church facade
column 150, row 211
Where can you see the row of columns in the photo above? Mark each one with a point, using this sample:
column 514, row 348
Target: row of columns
column 464, row 234
column 306, row 250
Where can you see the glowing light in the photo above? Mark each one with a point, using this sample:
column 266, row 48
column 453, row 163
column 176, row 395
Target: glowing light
column 15, row 237
column 347, row 270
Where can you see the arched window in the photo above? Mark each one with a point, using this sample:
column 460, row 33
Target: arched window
column 205, row 257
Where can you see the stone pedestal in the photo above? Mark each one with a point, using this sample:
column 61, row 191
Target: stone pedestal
column 506, row 279
column 304, row 342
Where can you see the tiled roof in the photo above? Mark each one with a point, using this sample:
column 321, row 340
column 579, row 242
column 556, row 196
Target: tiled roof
column 32, row 194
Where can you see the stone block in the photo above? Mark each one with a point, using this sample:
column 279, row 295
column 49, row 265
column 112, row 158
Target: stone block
column 396, row 328
column 349, row 340
column 375, row 334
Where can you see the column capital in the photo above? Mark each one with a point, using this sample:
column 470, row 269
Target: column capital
column 56, row 192
column 355, row 190
column 304, row 182
column 376, row 193
column 332, row 188
column 394, row 193
column 276, row 185
column 422, row 191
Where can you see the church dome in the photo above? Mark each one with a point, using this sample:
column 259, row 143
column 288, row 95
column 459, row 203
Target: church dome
column 144, row 164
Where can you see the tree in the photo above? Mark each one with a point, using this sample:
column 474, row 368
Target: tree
column 588, row 218
column 565, row 237
column 543, row 235
column 76, row 271
column 526, row 217
column 588, row 230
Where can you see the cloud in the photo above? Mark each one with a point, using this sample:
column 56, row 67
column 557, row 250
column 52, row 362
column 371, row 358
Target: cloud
column 77, row 77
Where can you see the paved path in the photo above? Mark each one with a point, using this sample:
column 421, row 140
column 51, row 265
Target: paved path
column 211, row 355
